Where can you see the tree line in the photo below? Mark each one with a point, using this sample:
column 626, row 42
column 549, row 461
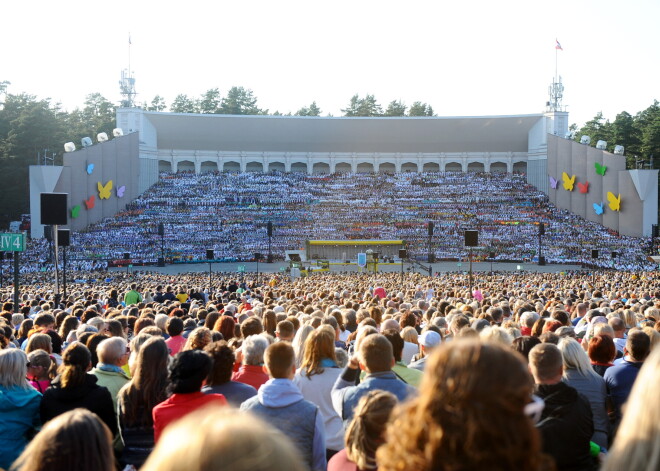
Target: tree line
column 31, row 128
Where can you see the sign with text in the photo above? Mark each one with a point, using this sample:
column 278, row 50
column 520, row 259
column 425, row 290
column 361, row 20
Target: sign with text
column 362, row 260
column 12, row 242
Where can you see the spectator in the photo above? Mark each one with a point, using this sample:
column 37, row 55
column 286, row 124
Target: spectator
column 428, row 341
column 251, row 371
column 219, row 380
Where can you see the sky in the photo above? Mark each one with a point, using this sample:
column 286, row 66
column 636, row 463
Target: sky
column 464, row 58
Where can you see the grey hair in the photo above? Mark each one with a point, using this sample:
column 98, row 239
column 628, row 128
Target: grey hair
column 111, row 350
column 254, row 348
column 13, row 368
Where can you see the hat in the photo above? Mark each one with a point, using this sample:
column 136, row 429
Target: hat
column 430, row 339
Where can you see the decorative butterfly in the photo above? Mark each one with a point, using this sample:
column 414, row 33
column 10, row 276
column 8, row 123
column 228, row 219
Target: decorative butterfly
column 120, row 191
column 599, row 208
column 104, row 191
column 568, row 182
column 90, row 169
column 90, row 202
column 614, row 201
column 553, row 183
column 583, row 187
column 75, row 211
column 600, row 169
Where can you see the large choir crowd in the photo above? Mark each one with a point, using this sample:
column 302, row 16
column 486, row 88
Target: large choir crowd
column 229, row 212
column 335, row 371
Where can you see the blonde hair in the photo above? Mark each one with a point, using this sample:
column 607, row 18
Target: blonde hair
column 223, row 439
column 365, row 432
column 653, row 334
column 637, row 444
column 198, row 339
column 575, row 358
column 409, row 334
column 320, row 345
column 39, row 342
column 13, row 368
column 496, row 334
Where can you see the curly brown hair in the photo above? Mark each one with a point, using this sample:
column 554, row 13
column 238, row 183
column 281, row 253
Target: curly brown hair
column 469, row 414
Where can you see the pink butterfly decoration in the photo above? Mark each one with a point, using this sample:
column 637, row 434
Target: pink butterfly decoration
column 121, row 190
column 553, row 183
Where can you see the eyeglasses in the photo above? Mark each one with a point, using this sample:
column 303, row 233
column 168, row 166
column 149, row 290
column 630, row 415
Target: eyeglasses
column 534, row 409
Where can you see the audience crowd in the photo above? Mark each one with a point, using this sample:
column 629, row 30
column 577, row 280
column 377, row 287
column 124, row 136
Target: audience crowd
column 335, row 371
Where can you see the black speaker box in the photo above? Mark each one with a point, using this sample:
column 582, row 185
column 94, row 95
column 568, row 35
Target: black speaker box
column 541, row 229
column 161, row 229
column 403, row 253
column 269, row 229
column 594, row 253
column 48, row 233
column 161, row 262
column 127, row 255
column 63, row 237
column 53, row 209
column 209, row 254
column 471, row 238
column 431, row 258
column 430, row 228
column 541, row 260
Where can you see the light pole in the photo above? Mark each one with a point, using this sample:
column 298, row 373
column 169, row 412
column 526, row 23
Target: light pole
column 209, row 257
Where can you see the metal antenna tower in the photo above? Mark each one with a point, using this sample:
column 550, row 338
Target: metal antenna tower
column 127, row 82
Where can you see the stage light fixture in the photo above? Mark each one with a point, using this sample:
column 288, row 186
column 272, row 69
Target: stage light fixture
column 86, row 141
column 101, row 137
column 117, row 132
column 618, row 150
column 602, row 145
column 69, row 147
column 585, row 140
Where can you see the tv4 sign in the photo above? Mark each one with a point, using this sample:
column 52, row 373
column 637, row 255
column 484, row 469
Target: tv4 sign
column 12, row 242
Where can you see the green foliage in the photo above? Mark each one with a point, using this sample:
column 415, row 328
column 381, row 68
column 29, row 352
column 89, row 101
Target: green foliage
column 157, row 104
column 312, row 110
column 184, row 104
column 395, row 108
column 210, row 102
column 367, row 106
column 240, row 100
column 420, row 109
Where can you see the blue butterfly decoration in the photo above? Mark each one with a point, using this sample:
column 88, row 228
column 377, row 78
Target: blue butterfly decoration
column 90, row 169
column 599, row 208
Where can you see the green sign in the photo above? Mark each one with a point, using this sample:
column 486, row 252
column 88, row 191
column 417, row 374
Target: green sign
column 240, row 268
column 459, row 264
column 12, row 242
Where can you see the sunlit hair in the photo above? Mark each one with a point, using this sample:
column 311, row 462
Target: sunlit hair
column 299, row 343
column 223, row 439
column 39, row 342
column 225, row 325
column 13, row 369
column 43, row 359
column 147, row 387
column 601, row 349
column 70, row 323
column 409, row 334
column 76, row 439
column 637, row 444
column 76, row 361
column 496, row 334
column 319, row 345
column 198, row 339
column 365, row 432
column 575, row 358
column 457, row 422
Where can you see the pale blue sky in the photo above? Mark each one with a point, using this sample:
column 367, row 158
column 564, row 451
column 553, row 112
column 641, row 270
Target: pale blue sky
column 464, row 58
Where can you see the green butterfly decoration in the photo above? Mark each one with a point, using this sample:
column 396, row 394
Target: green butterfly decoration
column 75, row 211
column 600, row 169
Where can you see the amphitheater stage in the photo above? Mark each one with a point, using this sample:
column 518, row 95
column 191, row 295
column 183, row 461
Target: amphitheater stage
column 277, row 267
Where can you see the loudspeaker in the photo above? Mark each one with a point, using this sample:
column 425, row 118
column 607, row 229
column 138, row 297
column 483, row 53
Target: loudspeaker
column 403, row 253
column 127, row 255
column 269, row 229
column 615, row 254
column 63, row 237
column 491, row 255
column 541, row 260
column 48, row 233
column 594, row 253
column 541, row 229
column 161, row 262
column 375, row 255
column 161, row 229
column 209, row 254
column 431, row 258
column 53, row 209
column 471, row 238
column 257, row 256
column 430, row 228
column 654, row 230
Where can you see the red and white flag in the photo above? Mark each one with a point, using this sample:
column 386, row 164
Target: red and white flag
column 558, row 46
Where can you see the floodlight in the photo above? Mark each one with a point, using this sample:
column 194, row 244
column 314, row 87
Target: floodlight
column 117, row 132
column 585, row 140
column 568, row 135
column 69, row 147
column 86, row 141
column 602, row 145
column 618, row 150
column 101, row 137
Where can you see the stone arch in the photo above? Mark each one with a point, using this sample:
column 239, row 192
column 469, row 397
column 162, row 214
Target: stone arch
column 164, row 166
column 431, row 167
column 301, row 167
column 276, row 167
column 387, row 167
column 476, row 167
column 365, row 167
column 231, row 166
column 409, row 167
column 498, row 167
column 520, row 167
column 185, row 166
column 208, row 167
column 343, row 167
column 453, row 167
column 321, row 168
column 254, row 167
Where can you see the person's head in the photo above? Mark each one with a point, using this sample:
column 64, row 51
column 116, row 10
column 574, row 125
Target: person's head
column 223, row 439
column 39, row 342
column 13, row 368
column 638, row 345
column 375, row 354
column 280, row 360
column 76, row 362
column 637, row 444
column 41, row 365
column 285, row 331
column 225, row 325
column 546, row 363
column 113, row 351
column 44, row 321
column 524, row 344
column 223, row 363
column 174, row 326
column 188, row 371
column 319, row 346
column 254, row 348
column 575, row 358
column 457, row 422
column 365, row 432
column 251, row 326
column 198, row 339
column 396, row 341
column 76, row 439
column 601, row 349
column 618, row 326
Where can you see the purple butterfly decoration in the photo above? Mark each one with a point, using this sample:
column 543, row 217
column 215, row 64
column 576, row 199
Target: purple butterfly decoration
column 120, row 191
column 553, row 183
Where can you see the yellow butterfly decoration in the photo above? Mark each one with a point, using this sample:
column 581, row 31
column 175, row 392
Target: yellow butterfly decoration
column 568, row 182
column 614, row 201
column 104, row 191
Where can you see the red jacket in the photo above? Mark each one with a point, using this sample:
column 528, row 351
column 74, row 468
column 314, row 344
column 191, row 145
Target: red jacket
column 253, row 375
column 179, row 405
